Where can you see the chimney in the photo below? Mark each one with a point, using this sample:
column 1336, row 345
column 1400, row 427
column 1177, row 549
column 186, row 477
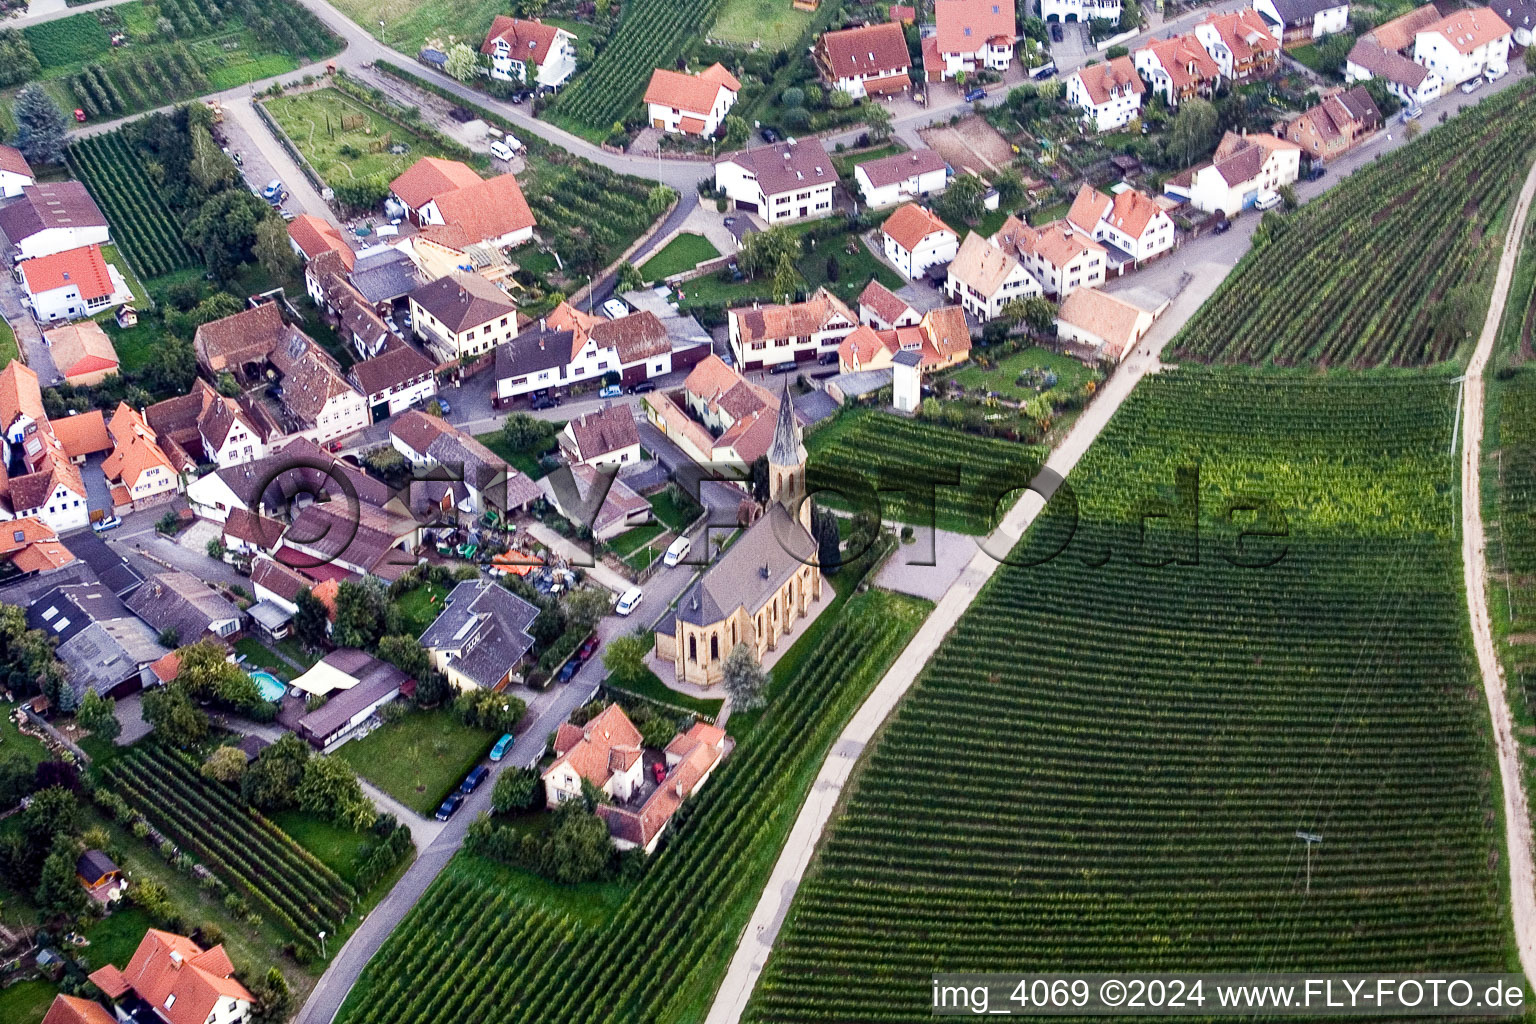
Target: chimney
column 764, row 571
column 176, row 959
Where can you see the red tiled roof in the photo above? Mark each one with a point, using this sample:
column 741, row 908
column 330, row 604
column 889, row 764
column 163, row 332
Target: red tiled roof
column 871, row 50
column 964, row 26
column 314, row 236
column 72, row 1010
column 1119, row 72
column 12, row 160
column 693, row 93
column 487, row 209
column 910, row 224
column 529, row 40
column 176, row 976
column 84, row 268
column 82, row 434
column 1467, row 30
column 431, row 177
column 81, row 348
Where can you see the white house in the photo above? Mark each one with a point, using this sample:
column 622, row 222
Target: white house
column 884, row 310
column 1177, row 68
column 171, row 971
column 393, row 381
column 15, row 172
column 139, row 463
column 1130, row 220
column 869, row 61
column 970, row 35
column 1299, row 21
column 489, row 210
column 462, row 316
column 691, row 104
column 1242, row 167
column 762, row 336
column 517, row 46
column 1109, row 326
column 1240, row 43
column 1108, row 94
column 787, row 182
column 1058, row 255
column 1464, row 45
column 901, row 176
column 1410, row 82
column 70, row 284
column 915, row 240
column 53, row 217
column 608, row 437
column 983, row 278
column 1080, row 10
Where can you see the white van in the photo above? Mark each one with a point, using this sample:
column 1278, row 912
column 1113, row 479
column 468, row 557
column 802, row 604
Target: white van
column 629, row 601
column 501, row 151
column 677, row 552
column 1268, row 200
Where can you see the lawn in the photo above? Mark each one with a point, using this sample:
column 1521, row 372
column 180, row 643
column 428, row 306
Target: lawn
column 846, row 162
column 114, row 256
column 409, row 23
column 135, row 346
column 651, row 686
column 259, row 656
column 1070, row 373
column 11, row 738
column 419, row 608
column 25, row 1002
column 526, row 462
column 773, row 23
column 313, row 120
column 630, row 541
column 419, row 758
column 676, row 512
column 114, row 938
column 684, row 252
column 853, row 272
column 340, row 849
column 1308, row 56
column 8, row 347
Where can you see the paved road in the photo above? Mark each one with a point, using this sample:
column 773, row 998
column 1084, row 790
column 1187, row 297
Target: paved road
column 263, row 159
column 1517, row 820
column 39, row 11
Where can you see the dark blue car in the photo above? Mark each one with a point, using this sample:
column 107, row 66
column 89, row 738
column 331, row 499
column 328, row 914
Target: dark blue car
column 450, row 805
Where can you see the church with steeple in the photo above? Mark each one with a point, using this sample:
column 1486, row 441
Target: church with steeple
column 765, row 582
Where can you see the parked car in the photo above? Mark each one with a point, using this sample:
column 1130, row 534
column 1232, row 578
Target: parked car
column 1494, row 74
column 645, row 387
column 544, row 401
column 769, row 135
column 1268, row 199
column 629, row 601
column 1055, row 33
column 447, row 807
column 1471, row 85
column 974, row 94
column 677, row 551
column 273, row 190
column 1412, row 113
column 827, row 358
column 1317, row 171
column 109, row 523
column 613, row 309
column 589, row 648
column 659, row 771
column 503, row 745
column 1222, row 226
column 786, row 367
column 610, row 391
column 501, row 151
column 568, row 671
column 472, row 781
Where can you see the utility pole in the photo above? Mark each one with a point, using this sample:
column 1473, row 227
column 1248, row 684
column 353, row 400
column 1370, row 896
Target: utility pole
column 1310, row 838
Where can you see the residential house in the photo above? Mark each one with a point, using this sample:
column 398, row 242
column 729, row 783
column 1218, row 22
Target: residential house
column 868, row 61
column 51, row 218
column 310, row 236
column 1240, row 43
column 690, row 759
column 535, row 360
column 343, row 537
column 970, row 35
column 241, row 344
column 780, row 183
column 205, row 426
column 248, row 534
column 488, row 210
column 1336, row 125
column 1130, row 220
column 394, row 380
column 605, row 753
column 1108, row 94
column 1520, row 16
column 139, row 466
column 480, row 638
column 1110, row 327
column 462, row 316
column 637, row 347
column 278, row 584
column 687, row 104
column 40, row 477
column 74, row 1010
column 1177, row 68
column 1463, row 45
column 573, row 496
column 71, row 284
column 356, row 685
column 915, row 239
column 984, row 277
column 299, row 471
column 356, row 320
column 110, row 658
column 30, row 547
column 1058, row 255
column 1080, row 10
column 82, row 352
column 1297, row 22
column 607, row 437
column 184, row 606
column 901, row 176
column 764, row 336
column 15, row 173
column 179, row 980
column 529, row 51
column 318, row 402
column 940, row 339
column 1413, row 84
column 386, row 274
column 884, row 310
column 81, row 434
column 717, row 417
column 432, row 443
column 1242, row 167
column 765, row 581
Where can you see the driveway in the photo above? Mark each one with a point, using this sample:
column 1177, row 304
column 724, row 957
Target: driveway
column 264, row 158
column 29, row 336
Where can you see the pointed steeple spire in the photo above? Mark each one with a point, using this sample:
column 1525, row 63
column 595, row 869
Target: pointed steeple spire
column 786, row 449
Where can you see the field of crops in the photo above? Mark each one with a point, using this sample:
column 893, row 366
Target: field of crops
column 861, row 452
column 589, row 214
column 651, row 34
column 660, row 954
column 1105, row 766
column 248, row 855
column 143, row 227
column 1388, row 268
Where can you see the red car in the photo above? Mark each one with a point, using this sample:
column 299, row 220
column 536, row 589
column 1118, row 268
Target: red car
column 589, row 648
column 659, row 769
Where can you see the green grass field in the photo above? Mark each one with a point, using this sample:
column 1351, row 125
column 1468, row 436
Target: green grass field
column 677, row 512
column 114, row 938
column 651, row 686
column 419, row 758
column 773, row 23
column 845, row 163
column 525, row 462
column 419, row 608
column 8, row 347
column 11, row 738
column 313, row 120
column 684, row 252
column 1003, row 379
column 853, row 272
column 410, row 23
column 340, row 849
column 25, row 1002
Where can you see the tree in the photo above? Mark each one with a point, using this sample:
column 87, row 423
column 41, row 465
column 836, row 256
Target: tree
column 40, row 126
column 624, row 658
column 272, row 250
column 329, row 788
column 16, row 777
column 629, row 277
column 659, row 198
column 577, row 848
column 486, row 709
column 226, row 764
column 207, row 675
column 175, row 719
column 1332, row 51
column 98, row 714
column 311, row 620
column 59, row 893
column 524, row 433
column 736, row 132
column 229, row 387
column 1288, row 194
column 462, row 62
column 274, row 1000
column 744, row 678
column 1130, row 15
column 962, row 202
column 834, row 268
column 1193, row 131
column 405, row 653
column 271, row 782
column 1411, row 129
column 224, row 230
column 516, row 789
column 879, row 120
column 762, row 251
column 786, row 279
column 54, row 811
column 216, row 549
column 1116, row 51
column 362, row 613
column 828, row 544
column 586, row 607
column 1038, row 314
column 362, row 194
column 1530, row 59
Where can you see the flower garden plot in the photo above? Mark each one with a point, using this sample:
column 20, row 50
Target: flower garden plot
column 1105, row 766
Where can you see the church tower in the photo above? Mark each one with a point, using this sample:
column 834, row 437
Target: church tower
column 786, row 462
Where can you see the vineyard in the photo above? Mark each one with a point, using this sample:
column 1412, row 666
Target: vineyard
column 861, row 452
column 662, row 951
column 247, row 854
column 114, row 174
column 1389, row 267
column 1105, row 766
column 651, row 34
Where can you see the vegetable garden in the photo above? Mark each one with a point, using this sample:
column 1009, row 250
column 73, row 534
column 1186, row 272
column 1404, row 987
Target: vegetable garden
column 1105, row 766
column 247, row 855
column 466, row 955
column 1388, row 268
column 114, row 174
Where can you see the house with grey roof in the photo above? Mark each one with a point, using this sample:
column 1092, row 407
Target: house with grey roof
column 111, row 657
column 481, row 636
column 363, row 685
column 1300, row 21
column 181, row 604
column 383, row 276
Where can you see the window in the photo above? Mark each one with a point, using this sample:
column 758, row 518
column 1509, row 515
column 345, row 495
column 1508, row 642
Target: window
column 693, row 649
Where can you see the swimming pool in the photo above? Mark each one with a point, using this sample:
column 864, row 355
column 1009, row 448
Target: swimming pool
column 270, row 686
